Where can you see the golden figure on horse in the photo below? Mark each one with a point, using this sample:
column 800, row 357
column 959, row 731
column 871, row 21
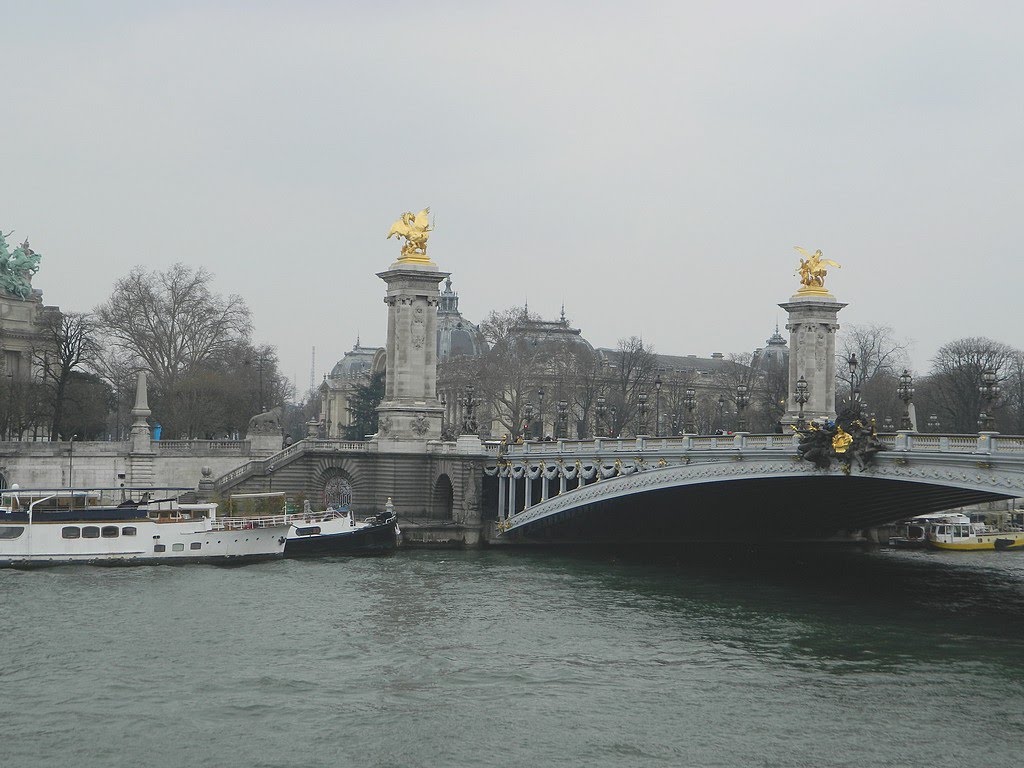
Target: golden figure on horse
column 415, row 228
column 812, row 270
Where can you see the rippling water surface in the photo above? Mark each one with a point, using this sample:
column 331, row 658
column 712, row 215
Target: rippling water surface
column 500, row 658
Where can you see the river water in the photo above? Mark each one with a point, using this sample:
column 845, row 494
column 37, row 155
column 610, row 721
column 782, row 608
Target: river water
column 520, row 658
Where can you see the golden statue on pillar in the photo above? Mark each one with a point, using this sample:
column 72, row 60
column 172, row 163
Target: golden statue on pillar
column 415, row 228
column 812, row 272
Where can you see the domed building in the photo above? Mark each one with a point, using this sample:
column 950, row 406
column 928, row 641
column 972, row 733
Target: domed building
column 357, row 365
column 455, row 335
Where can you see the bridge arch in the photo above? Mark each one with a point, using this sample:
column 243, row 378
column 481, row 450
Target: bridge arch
column 442, row 500
column 740, row 487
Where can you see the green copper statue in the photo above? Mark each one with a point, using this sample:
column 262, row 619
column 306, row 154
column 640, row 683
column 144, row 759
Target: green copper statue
column 17, row 268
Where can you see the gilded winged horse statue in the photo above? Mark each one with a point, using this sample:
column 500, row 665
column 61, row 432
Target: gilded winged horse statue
column 812, row 268
column 415, row 228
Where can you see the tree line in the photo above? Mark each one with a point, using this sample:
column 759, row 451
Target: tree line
column 206, row 374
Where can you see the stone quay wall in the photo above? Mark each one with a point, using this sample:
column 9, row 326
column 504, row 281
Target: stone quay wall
column 175, row 463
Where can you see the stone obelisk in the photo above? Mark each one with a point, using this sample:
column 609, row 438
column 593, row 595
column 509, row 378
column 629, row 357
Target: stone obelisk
column 813, row 321
column 410, row 414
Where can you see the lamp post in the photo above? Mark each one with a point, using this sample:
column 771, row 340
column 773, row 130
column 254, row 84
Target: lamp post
column 601, row 428
column 989, row 391
column 657, row 405
column 742, row 401
column 528, row 421
column 933, row 423
column 721, row 412
column 615, row 421
column 71, row 462
column 540, row 414
column 469, row 426
column 851, row 361
column 563, row 419
column 690, row 402
column 641, row 413
column 801, row 398
column 905, row 392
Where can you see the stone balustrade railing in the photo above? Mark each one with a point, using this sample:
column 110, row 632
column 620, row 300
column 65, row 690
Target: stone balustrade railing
column 202, row 447
column 984, row 443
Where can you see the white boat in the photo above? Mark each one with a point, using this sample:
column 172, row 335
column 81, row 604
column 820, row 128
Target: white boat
column 121, row 526
column 328, row 532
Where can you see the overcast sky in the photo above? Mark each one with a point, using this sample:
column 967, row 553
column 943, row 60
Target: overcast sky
column 649, row 164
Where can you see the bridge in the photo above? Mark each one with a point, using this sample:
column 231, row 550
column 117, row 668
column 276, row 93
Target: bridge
column 740, row 487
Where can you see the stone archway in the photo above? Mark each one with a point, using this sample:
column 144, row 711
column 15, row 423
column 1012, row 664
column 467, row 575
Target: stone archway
column 443, row 499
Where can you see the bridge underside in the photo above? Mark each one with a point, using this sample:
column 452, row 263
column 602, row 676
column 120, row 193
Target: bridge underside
column 770, row 509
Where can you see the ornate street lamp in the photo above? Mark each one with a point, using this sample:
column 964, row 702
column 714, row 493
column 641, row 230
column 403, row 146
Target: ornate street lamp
column 602, row 412
column 657, row 405
column 933, row 423
column 469, row 426
column 528, row 421
column 615, row 421
column 801, row 398
column 690, row 401
column 721, row 412
column 540, row 414
column 641, row 413
column 989, row 391
column 563, row 419
column 742, row 401
column 851, row 361
column 905, row 392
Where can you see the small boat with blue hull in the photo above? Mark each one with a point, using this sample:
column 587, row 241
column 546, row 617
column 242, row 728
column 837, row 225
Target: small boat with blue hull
column 328, row 532
column 123, row 526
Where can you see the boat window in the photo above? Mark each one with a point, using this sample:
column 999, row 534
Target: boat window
column 91, row 532
column 128, row 530
column 159, row 547
column 312, row 530
column 196, row 545
column 11, row 531
column 178, row 547
column 71, row 532
column 109, row 532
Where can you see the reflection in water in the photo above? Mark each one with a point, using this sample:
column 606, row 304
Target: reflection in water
column 684, row 657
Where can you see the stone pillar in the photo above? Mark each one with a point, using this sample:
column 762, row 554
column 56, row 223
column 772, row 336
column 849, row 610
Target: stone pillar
column 502, row 482
column 410, row 414
column 141, row 456
column 812, row 352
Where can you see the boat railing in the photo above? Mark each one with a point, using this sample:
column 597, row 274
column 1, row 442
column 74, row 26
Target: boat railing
column 250, row 523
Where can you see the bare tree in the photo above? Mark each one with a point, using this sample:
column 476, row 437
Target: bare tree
column 171, row 321
column 956, row 375
column 631, row 371
column 69, row 344
column 879, row 355
column 511, row 368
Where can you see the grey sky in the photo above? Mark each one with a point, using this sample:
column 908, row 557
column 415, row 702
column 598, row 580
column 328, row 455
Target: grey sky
column 651, row 164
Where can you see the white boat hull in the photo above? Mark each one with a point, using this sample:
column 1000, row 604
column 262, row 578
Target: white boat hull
column 137, row 542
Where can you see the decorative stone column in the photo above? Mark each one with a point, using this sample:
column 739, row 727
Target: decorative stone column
column 812, row 325
column 410, row 413
column 141, row 456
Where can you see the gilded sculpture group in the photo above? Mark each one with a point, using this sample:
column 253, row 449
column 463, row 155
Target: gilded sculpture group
column 812, row 268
